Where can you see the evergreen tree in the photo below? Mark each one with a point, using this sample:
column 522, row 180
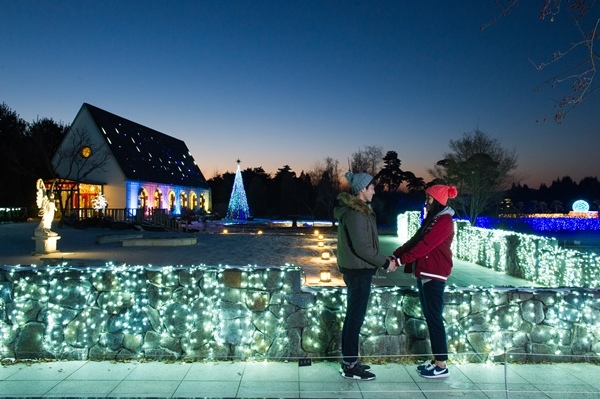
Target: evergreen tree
column 238, row 204
column 257, row 181
column 25, row 156
column 391, row 176
column 14, row 145
column 284, row 196
column 306, row 193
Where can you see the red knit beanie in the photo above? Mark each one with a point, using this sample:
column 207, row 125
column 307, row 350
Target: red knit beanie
column 441, row 193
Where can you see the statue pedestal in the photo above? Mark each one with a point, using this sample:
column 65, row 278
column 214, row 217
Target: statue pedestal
column 45, row 245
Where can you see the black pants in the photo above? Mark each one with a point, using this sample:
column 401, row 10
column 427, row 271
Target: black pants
column 431, row 296
column 357, row 300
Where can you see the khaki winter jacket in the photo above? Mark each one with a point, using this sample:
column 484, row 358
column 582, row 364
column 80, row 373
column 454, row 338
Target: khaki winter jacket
column 358, row 241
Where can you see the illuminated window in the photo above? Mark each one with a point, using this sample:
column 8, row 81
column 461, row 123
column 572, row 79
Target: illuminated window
column 143, row 198
column 158, row 198
column 183, row 199
column 171, row 200
column 86, row 151
column 193, row 200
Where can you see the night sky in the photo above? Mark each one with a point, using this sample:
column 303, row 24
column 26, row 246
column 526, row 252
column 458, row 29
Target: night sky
column 291, row 82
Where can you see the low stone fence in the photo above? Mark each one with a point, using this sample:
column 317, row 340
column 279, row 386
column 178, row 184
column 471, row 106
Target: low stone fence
column 265, row 313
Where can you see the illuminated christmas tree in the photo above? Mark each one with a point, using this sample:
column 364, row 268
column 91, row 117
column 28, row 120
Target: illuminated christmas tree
column 238, row 204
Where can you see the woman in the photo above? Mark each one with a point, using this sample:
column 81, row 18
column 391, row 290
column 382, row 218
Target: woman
column 427, row 254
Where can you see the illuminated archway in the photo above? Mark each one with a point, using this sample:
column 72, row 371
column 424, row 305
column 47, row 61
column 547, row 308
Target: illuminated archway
column 203, row 202
column 171, row 200
column 143, row 198
column 183, row 200
column 158, row 198
column 193, row 200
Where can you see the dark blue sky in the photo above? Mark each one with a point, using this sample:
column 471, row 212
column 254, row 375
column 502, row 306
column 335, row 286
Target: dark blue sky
column 292, row 82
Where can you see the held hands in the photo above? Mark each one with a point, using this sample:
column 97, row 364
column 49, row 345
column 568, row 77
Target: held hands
column 393, row 264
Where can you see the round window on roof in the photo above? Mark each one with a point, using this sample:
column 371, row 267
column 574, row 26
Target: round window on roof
column 86, row 151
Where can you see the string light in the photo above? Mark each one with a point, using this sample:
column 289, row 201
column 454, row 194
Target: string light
column 238, row 203
column 99, row 202
column 538, row 259
column 545, row 222
column 217, row 312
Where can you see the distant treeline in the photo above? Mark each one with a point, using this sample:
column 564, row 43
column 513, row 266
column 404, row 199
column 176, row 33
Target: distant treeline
column 27, row 148
column 288, row 195
column 556, row 198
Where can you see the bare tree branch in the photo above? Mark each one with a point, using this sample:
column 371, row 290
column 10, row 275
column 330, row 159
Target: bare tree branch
column 75, row 167
column 580, row 76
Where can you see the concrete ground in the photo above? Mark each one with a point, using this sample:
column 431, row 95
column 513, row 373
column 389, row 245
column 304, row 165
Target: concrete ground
column 288, row 380
column 241, row 247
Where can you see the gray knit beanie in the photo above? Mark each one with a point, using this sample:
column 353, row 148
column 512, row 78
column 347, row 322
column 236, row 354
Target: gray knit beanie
column 358, row 181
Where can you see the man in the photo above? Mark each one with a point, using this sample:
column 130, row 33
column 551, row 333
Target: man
column 358, row 259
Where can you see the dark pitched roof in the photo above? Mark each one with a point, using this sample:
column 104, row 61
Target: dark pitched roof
column 145, row 154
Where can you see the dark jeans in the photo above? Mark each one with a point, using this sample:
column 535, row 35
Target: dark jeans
column 359, row 290
column 431, row 296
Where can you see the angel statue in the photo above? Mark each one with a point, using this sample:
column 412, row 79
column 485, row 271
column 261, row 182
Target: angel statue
column 45, row 203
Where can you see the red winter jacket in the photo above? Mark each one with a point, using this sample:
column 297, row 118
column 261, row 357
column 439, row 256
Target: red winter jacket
column 432, row 252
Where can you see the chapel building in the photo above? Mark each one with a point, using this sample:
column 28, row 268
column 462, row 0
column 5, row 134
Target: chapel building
column 135, row 168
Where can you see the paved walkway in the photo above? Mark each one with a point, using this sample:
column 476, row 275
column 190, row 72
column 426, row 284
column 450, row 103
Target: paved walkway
column 287, row 380
column 79, row 246
column 225, row 379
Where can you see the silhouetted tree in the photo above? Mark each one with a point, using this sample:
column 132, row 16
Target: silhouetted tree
column 557, row 206
column 45, row 137
column 367, row 160
column 283, row 191
column 589, row 189
column 14, row 144
column 221, row 187
column 256, row 181
column 224, row 193
column 326, row 178
column 414, row 183
column 561, row 195
column 480, row 168
column 325, row 197
column 563, row 189
column 306, row 192
column 391, row 176
column 25, row 155
column 71, row 169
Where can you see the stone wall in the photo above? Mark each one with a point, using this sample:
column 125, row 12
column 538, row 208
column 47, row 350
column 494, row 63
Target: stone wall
column 265, row 313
